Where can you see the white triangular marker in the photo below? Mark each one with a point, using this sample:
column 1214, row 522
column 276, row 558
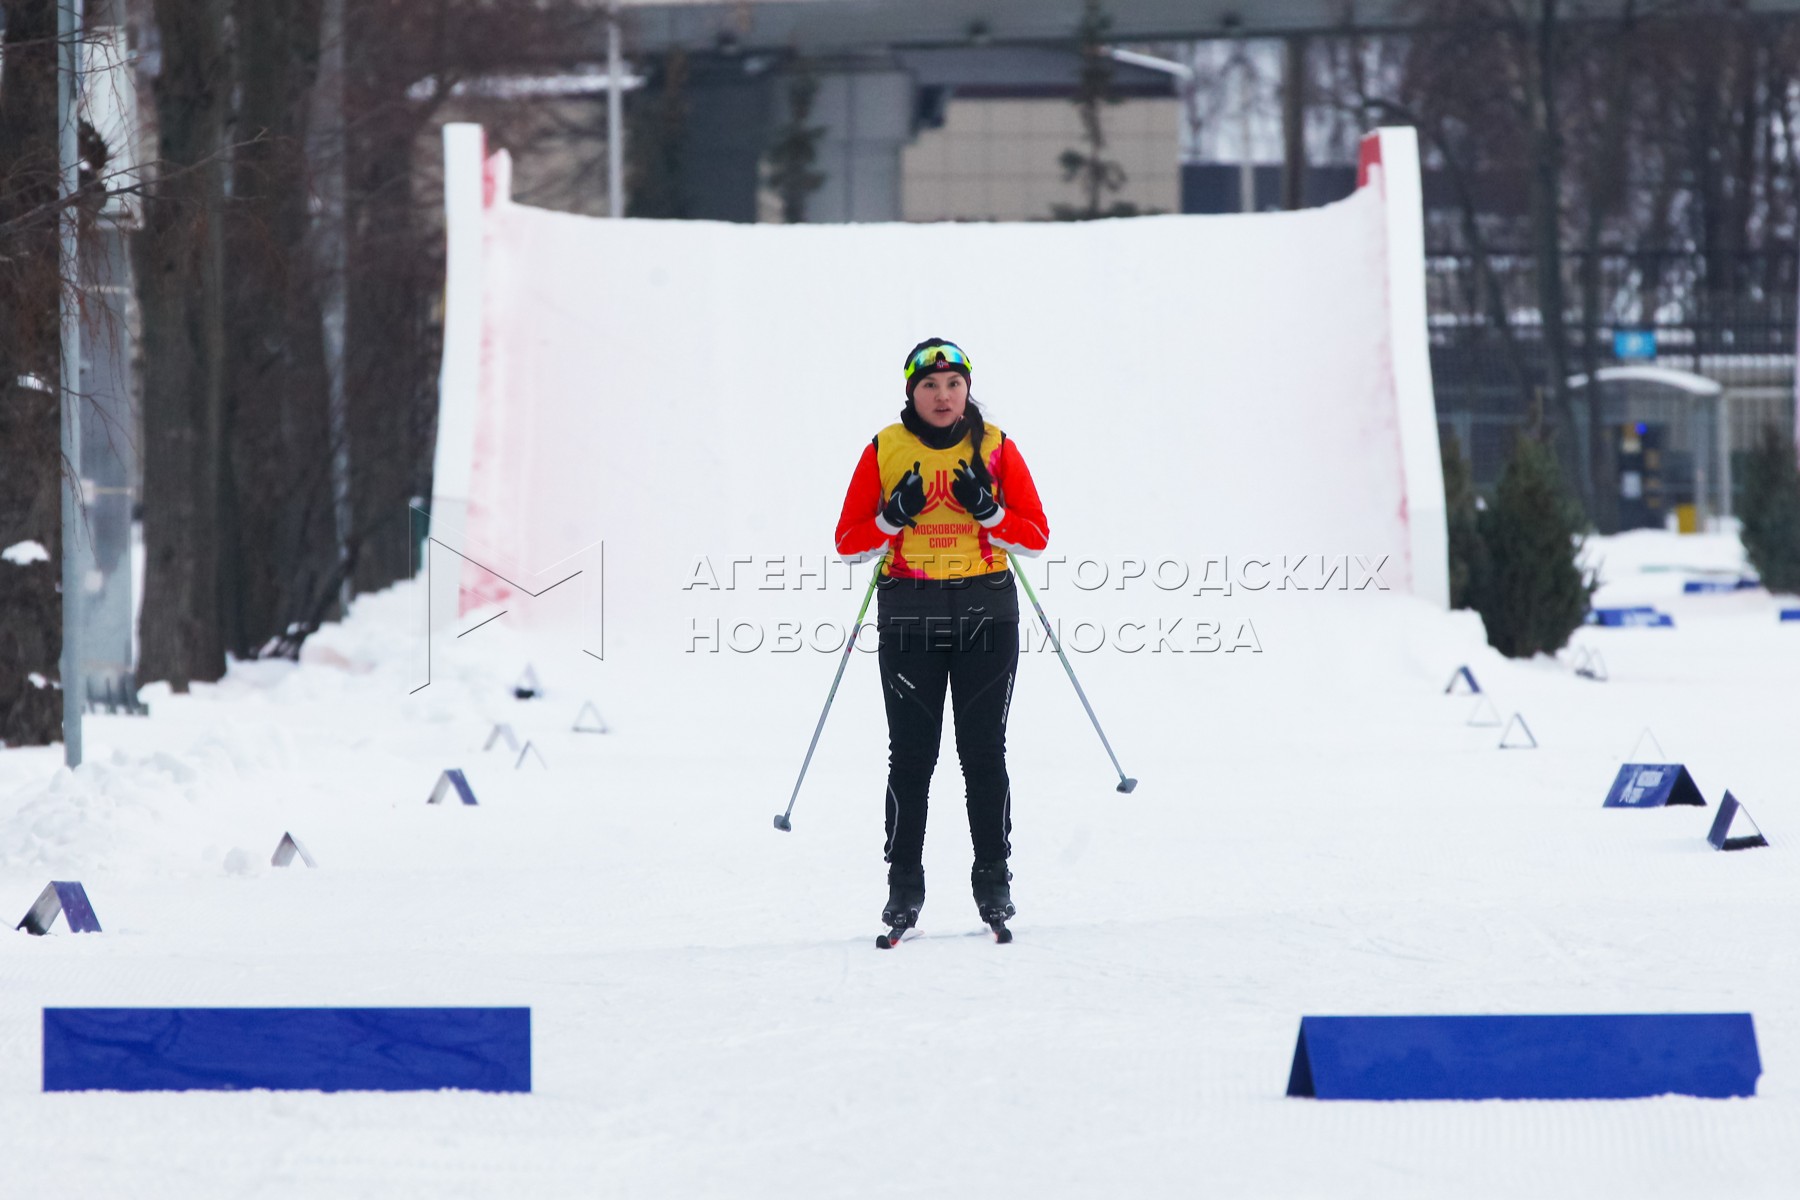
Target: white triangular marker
column 287, row 849
column 1506, row 742
column 1485, row 716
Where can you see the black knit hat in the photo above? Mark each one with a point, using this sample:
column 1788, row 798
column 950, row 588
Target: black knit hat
column 932, row 355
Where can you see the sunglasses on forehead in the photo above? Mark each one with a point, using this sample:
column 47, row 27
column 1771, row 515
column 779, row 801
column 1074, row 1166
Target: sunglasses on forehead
column 929, row 358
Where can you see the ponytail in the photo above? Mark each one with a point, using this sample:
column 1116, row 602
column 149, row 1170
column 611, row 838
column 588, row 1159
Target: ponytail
column 977, row 431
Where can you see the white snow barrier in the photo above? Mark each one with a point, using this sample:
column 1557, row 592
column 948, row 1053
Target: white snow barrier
column 1185, row 388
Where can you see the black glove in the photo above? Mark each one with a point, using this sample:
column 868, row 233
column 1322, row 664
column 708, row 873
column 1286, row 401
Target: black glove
column 971, row 491
column 907, row 502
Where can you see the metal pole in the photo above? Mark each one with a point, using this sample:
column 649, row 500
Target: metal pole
column 1246, row 165
column 615, row 116
column 1722, row 447
column 1293, row 124
column 74, row 556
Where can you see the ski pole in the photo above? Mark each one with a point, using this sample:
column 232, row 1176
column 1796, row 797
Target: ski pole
column 1126, row 783
column 783, row 821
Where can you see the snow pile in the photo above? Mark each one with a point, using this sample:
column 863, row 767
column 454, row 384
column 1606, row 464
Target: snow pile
column 1318, row 830
column 21, row 553
column 1657, row 562
column 159, row 811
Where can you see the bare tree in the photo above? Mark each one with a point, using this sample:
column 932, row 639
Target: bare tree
column 1609, row 165
column 30, row 376
column 181, row 290
column 279, row 549
column 395, row 241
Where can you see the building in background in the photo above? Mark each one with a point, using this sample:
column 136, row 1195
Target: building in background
column 956, row 134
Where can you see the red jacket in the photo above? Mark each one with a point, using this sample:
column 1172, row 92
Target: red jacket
column 946, row 542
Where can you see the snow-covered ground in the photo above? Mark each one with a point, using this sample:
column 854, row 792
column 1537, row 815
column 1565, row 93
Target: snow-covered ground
column 1317, row 831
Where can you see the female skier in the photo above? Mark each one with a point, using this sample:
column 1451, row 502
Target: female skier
column 942, row 495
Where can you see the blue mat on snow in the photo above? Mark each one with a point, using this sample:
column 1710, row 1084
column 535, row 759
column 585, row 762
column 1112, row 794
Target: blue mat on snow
column 287, row 1049
column 1574, row 1057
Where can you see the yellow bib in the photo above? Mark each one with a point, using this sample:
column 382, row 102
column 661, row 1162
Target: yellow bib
column 946, row 543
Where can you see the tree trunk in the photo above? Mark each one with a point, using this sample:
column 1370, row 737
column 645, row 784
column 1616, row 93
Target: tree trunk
column 279, row 542
column 391, row 348
column 1604, row 192
column 1544, row 131
column 180, row 279
column 30, row 342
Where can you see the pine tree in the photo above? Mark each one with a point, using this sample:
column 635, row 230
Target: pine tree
column 1770, row 512
column 796, row 148
column 1097, row 175
column 1532, row 595
column 1468, row 556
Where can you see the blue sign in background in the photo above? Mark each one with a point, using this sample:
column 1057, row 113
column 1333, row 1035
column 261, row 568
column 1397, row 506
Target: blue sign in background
column 1644, row 615
column 1634, row 343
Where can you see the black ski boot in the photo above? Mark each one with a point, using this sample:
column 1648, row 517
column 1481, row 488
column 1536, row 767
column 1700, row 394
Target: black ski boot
column 906, row 895
column 993, row 899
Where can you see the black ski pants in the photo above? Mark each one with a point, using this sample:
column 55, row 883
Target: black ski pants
column 963, row 633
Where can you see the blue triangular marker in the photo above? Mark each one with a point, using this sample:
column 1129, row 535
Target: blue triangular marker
column 69, row 899
column 1467, row 677
column 452, row 778
column 1730, row 811
column 1653, row 785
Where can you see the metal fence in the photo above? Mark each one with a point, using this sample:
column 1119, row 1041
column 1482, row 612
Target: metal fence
column 1655, row 308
